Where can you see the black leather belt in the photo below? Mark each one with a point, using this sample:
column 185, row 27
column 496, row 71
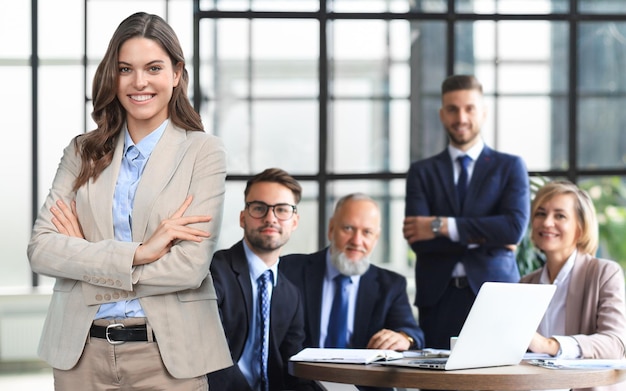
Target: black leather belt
column 459, row 282
column 117, row 333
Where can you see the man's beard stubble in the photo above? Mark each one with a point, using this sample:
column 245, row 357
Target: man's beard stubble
column 263, row 243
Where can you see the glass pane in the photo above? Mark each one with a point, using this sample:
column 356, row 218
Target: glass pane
column 378, row 5
column 15, row 171
column 179, row 15
column 512, row 6
column 608, row 198
column 285, row 64
column 428, row 69
column 270, row 134
column 602, row 6
column 601, row 136
column 103, row 17
column 58, row 124
column 369, row 136
column 303, row 240
column 260, row 5
column 431, row 5
column 503, row 57
column 370, row 58
column 526, row 128
column 601, row 61
column 15, row 29
column 61, row 38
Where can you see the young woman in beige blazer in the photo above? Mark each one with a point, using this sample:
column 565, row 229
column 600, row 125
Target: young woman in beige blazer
column 586, row 318
column 134, row 307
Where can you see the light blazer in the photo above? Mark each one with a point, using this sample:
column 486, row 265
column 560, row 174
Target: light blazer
column 177, row 296
column 595, row 309
column 231, row 275
column 381, row 302
column 495, row 213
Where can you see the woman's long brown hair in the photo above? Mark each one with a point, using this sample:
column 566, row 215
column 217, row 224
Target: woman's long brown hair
column 96, row 147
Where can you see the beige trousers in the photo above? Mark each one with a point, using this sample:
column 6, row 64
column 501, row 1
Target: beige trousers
column 131, row 366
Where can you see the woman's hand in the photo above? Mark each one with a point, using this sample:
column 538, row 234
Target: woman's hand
column 541, row 344
column 169, row 231
column 65, row 219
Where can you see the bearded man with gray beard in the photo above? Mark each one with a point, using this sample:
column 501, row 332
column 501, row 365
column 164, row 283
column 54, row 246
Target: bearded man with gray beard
column 375, row 311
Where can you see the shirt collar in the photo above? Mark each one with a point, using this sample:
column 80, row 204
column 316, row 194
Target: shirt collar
column 473, row 152
column 148, row 143
column 563, row 273
column 257, row 266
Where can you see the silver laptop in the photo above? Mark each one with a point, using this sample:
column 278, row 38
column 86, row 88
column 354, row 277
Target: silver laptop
column 498, row 329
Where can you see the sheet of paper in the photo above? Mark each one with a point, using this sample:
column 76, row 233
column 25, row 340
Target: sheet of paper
column 346, row 356
column 556, row 363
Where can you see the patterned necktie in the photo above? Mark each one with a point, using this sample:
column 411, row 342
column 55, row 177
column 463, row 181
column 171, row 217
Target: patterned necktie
column 461, row 184
column 264, row 282
column 338, row 320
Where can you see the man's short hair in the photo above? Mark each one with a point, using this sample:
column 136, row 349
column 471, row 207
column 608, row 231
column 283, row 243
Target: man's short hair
column 276, row 175
column 460, row 82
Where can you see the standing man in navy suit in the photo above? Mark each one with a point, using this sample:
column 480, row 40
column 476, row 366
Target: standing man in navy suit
column 268, row 219
column 379, row 315
column 466, row 210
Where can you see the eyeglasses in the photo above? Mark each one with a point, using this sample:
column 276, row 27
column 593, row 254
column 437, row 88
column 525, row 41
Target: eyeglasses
column 258, row 210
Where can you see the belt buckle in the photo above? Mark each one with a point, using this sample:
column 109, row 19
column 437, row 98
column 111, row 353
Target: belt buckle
column 106, row 334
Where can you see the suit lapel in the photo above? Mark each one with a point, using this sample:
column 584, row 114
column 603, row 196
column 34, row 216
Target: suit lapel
column 482, row 171
column 240, row 267
column 445, row 173
column 314, row 271
column 159, row 169
column 102, row 191
column 365, row 302
column 576, row 292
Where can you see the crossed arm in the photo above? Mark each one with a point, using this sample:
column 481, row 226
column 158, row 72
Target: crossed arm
column 170, row 230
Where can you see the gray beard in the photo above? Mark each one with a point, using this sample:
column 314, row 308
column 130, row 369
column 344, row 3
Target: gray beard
column 348, row 267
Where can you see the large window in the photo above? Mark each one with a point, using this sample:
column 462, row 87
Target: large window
column 342, row 94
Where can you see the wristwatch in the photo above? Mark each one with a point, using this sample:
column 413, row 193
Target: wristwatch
column 409, row 338
column 436, row 225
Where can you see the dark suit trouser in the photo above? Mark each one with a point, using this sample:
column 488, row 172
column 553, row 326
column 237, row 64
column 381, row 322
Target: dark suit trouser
column 446, row 319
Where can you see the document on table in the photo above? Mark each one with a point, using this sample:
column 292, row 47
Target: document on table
column 559, row 363
column 346, row 356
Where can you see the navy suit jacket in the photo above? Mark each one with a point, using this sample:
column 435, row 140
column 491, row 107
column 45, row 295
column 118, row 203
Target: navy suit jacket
column 231, row 277
column 381, row 302
column 495, row 213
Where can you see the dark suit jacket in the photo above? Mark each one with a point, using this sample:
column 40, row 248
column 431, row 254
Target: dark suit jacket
column 495, row 213
column 231, row 277
column 382, row 300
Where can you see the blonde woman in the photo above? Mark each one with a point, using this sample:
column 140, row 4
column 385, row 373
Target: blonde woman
column 586, row 318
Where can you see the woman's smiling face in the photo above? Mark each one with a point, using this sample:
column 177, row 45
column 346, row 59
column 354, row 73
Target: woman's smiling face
column 555, row 226
column 146, row 81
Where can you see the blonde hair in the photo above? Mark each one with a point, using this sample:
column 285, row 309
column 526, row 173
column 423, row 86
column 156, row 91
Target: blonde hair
column 583, row 205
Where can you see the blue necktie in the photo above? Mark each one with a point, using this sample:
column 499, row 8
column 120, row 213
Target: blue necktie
column 338, row 320
column 264, row 322
column 461, row 184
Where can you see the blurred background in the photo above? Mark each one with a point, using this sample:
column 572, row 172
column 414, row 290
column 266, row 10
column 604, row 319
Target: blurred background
column 343, row 94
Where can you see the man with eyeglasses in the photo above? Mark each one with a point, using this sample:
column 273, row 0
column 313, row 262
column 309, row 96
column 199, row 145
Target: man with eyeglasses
column 349, row 302
column 260, row 309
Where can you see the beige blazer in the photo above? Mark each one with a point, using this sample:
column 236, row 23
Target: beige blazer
column 595, row 311
column 176, row 292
